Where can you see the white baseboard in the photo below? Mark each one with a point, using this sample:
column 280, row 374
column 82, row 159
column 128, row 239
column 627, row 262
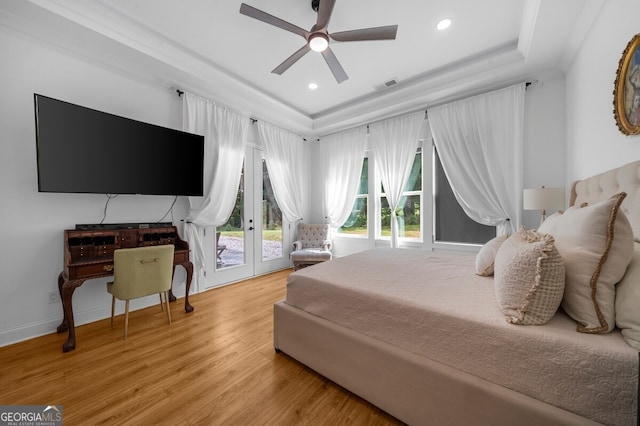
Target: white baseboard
column 49, row 326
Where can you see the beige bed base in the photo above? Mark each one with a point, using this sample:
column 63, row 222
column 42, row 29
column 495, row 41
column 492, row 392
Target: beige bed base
column 415, row 389
column 411, row 388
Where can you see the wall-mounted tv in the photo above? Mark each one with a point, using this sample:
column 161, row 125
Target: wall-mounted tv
column 81, row 150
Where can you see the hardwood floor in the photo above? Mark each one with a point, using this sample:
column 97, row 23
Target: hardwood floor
column 214, row 366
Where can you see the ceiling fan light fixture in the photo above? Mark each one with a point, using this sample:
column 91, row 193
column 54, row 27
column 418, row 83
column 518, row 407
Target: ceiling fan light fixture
column 444, row 24
column 318, row 42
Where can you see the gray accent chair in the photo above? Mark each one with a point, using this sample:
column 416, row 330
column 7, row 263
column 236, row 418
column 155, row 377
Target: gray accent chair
column 312, row 246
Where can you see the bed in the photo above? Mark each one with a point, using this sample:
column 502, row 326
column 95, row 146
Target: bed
column 421, row 336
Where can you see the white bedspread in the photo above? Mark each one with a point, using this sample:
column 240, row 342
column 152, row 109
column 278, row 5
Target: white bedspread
column 433, row 304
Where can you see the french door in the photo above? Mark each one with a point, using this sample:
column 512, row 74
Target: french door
column 256, row 238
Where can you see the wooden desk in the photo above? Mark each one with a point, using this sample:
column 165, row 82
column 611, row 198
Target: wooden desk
column 88, row 254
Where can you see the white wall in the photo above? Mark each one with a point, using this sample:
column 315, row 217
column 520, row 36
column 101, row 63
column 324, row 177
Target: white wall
column 31, row 223
column 544, row 140
column 314, row 184
column 594, row 142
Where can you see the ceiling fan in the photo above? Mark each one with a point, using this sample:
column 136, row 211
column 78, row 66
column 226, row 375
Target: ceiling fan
column 317, row 39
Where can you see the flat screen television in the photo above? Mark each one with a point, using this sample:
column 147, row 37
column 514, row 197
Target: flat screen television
column 81, row 150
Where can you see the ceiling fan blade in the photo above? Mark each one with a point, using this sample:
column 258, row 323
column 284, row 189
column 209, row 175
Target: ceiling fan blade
column 252, row 12
column 334, row 65
column 377, row 33
column 325, row 10
column 291, row 60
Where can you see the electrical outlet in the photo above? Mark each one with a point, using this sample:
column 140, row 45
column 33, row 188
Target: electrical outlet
column 54, row 297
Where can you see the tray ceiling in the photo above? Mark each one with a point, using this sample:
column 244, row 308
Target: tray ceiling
column 209, row 48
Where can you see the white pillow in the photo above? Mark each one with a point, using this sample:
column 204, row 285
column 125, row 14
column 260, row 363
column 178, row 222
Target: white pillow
column 487, row 255
column 529, row 278
column 628, row 301
column 551, row 222
column 596, row 244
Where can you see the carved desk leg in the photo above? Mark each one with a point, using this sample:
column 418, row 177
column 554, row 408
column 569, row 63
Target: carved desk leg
column 64, row 325
column 67, row 289
column 188, row 266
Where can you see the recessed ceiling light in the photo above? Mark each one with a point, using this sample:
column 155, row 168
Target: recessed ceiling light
column 313, row 86
column 444, row 24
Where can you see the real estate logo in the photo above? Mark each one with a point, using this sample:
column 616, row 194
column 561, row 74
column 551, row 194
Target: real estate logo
column 30, row 415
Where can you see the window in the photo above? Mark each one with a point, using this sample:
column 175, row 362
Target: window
column 446, row 221
column 356, row 224
column 409, row 208
column 451, row 222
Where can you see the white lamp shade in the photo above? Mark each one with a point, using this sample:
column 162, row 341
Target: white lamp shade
column 543, row 199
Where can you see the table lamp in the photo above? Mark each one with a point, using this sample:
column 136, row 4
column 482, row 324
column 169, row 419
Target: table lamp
column 543, row 199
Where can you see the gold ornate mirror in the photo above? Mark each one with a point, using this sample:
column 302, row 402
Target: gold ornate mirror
column 626, row 91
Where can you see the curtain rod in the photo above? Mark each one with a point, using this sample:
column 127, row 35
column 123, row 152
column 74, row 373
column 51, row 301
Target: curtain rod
column 526, row 85
column 426, row 114
column 426, row 111
column 253, row 120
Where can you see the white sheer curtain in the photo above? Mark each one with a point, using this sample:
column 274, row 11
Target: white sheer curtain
column 341, row 157
column 283, row 153
column 225, row 135
column 480, row 143
column 394, row 143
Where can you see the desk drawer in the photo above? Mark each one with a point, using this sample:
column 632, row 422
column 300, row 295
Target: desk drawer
column 91, row 271
column 128, row 238
column 181, row 256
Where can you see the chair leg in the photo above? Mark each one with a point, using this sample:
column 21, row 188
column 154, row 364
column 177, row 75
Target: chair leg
column 126, row 318
column 161, row 302
column 113, row 308
column 166, row 299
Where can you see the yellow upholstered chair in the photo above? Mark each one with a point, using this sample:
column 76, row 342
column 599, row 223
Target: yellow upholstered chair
column 139, row 272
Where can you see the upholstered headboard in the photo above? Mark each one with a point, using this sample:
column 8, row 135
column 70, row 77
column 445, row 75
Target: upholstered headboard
column 602, row 186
